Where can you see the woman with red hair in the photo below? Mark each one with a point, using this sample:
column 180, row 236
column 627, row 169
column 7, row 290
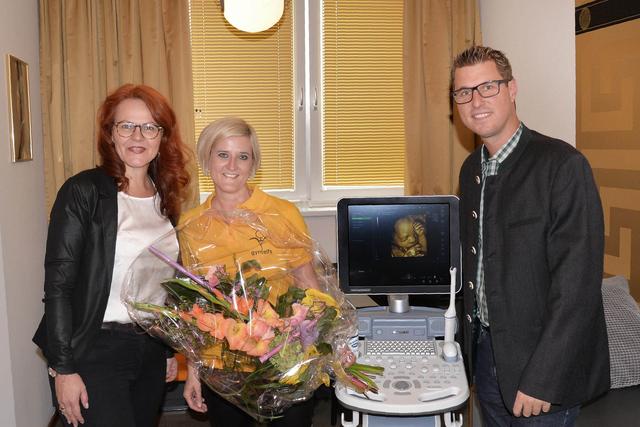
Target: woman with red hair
column 104, row 370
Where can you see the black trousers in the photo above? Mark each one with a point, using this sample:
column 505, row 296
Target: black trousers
column 124, row 373
column 222, row 413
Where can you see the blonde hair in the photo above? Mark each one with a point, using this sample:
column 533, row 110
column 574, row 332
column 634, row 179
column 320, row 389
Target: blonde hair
column 221, row 129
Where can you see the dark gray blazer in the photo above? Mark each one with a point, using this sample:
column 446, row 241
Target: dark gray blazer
column 543, row 252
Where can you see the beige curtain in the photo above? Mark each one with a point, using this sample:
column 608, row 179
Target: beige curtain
column 437, row 142
column 89, row 48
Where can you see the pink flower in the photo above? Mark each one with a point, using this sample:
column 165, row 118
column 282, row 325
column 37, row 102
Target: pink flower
column 242, row 304
column 236, row 334
column 196, row 311
column 259, row 328
column 268, row 314
column 190, row 316
column 207, row 322
column 212, row 276
column 299, row 314
column 255, row 347
column 219, row 295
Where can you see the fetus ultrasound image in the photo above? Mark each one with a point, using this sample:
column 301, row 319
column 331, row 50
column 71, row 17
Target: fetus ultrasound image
column 409, row 238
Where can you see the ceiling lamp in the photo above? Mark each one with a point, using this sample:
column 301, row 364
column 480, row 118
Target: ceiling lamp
column 252, row 16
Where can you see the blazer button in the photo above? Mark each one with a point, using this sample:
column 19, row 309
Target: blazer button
column 470, row 285
column 474, row 214
column 469, row 319
column 473, row 250
column 477, row 179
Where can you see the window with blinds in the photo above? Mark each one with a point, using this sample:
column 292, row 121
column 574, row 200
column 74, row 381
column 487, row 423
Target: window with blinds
column 249, row 76
column 347, row 142
column 363, row 116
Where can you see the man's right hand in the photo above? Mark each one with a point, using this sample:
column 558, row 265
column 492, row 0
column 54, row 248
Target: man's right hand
column 527, row 406
column 193, row 390
column 71, row 393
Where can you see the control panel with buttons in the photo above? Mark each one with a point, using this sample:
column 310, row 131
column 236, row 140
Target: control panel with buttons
column 416, row 381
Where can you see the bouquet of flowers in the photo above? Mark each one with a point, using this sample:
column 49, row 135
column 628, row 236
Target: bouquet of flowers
column 264, row 331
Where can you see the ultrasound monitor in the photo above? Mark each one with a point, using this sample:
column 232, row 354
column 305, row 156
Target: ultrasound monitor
column 398, row 245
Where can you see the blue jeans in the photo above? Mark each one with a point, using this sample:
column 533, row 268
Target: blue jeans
column 494, row 411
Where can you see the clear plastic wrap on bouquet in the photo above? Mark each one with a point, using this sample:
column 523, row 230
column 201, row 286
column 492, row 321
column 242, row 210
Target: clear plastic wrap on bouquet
column 254, row 305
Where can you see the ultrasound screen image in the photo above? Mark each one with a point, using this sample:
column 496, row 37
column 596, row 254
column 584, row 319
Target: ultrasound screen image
column 403, row 244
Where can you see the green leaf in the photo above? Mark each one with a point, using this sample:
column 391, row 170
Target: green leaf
column 225, row 286
column 248, row 265
column 327, row 321
column 324, row 348
column 370, row 369
column 182, row 293
column 285, row 301
column 194, row 287
column 362, row 377
column 152, row 308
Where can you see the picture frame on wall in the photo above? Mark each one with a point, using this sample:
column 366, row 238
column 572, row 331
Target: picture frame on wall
column 19, row 109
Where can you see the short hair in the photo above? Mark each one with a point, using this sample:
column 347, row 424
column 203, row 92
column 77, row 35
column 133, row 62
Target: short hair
column 479, row 54
column 224, row 128
column 168, row 169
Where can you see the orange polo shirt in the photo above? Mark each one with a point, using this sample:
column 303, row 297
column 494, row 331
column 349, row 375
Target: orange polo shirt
column 264, row 228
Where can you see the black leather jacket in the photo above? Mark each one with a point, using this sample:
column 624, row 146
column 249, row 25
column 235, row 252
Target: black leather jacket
column 78, row 264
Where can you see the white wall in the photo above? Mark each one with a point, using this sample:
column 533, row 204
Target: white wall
column 538, row 37
column 322, row 227
column 24, row 396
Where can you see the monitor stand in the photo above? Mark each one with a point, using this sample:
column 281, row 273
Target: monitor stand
column 398, row 303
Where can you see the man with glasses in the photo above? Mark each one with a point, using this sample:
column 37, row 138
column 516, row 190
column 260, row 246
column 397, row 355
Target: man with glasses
column 533, row 247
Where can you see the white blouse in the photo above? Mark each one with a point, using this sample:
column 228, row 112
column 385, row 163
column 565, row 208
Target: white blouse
column 139, row 225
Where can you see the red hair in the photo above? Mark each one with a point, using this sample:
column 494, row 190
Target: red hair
column 168, row 170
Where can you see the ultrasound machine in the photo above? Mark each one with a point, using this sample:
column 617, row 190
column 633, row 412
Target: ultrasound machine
column 397, row 246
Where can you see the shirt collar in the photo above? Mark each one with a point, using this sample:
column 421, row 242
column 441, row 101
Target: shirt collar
column 506, row 149
column 256, row 200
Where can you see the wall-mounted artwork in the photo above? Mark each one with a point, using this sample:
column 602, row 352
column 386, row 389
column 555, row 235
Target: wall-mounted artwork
column 608, row 124
column 19, row 109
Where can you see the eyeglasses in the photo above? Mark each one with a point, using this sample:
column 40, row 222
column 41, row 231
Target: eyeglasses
column 148, row 130
column 486, row 90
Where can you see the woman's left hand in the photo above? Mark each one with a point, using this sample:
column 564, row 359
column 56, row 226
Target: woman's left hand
column 172, row 369
column 192, row 392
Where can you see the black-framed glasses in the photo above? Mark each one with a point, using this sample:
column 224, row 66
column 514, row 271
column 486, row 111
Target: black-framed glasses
column 486, row 90
column 149, row 130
